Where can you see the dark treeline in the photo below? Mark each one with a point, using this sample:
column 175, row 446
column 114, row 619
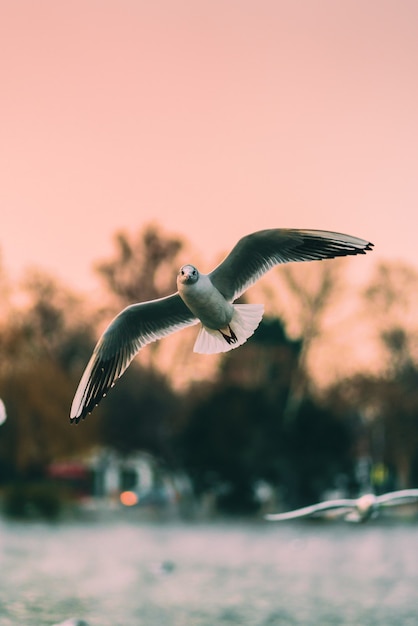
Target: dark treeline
column 258, row 420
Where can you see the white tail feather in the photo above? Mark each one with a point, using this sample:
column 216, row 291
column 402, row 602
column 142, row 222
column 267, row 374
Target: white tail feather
column 244, row 321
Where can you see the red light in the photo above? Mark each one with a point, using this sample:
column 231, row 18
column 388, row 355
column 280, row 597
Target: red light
column 128, row 498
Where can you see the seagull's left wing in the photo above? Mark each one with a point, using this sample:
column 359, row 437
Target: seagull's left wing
column 256, row 254
column 394, row 498
column 131, row 330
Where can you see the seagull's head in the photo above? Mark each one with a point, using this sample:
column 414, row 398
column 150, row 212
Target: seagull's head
column 188, row 275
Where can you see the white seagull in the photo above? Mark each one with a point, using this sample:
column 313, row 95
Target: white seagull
column 72, row 622
column 354, row 510
column 204, row 298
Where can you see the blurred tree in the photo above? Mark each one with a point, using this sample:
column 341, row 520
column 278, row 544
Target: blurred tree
column 315, row 449
column 145, row 266
column 41, row 345
column 388, row 407
column 141, row 414
column 37, row 430
column 5, row 290
column 312, row 290
column 267, row 360
column 223, row 445
column 392, row 292
column 56, row 321
column 392, row 296
column 392, row 300
column 236, row 435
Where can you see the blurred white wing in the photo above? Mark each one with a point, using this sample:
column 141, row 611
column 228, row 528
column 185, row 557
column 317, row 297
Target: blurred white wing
column 314, row 509
column 396, row 498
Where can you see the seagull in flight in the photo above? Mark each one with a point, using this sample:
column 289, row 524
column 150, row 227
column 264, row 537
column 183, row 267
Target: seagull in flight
column 354, row 510
column 72, row 622
column 207, row 299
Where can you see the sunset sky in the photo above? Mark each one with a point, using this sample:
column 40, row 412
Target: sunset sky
column 211, row 118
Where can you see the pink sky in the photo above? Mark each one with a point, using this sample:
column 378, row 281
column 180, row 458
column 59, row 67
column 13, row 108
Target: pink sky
column 213, row 118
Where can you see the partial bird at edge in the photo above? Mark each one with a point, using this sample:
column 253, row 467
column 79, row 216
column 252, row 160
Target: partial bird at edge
column 3, row 413
column 353, row 509
column 204, row 298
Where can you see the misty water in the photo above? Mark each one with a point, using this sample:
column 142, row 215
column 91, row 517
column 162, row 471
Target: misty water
column 132, row 573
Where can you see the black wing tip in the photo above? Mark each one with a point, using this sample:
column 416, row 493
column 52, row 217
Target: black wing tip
column 357, row 243
column 94, row 393
column 341, row 249
column 84, row 412
column 369, row 246
column 361, row 246
column 88, row 408
column 366, row 248
column 78, row 418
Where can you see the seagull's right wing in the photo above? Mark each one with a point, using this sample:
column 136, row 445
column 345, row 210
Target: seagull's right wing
column 131, row 330
column 314, row 509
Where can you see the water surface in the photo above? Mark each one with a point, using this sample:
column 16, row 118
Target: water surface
column 128, row 573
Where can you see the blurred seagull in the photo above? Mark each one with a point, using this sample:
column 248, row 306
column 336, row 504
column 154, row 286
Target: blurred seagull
column 204, row 298
column 359, row 509
column 72, row 622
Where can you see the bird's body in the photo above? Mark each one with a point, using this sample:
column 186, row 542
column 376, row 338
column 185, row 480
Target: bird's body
column 208, row 299
column 224, row 325
column 203, row 299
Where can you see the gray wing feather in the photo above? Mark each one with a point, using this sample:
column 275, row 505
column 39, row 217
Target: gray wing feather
column 131, row 330
column 256, row 254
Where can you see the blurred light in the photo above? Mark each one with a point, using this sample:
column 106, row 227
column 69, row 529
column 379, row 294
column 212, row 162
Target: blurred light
column 128, row 498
